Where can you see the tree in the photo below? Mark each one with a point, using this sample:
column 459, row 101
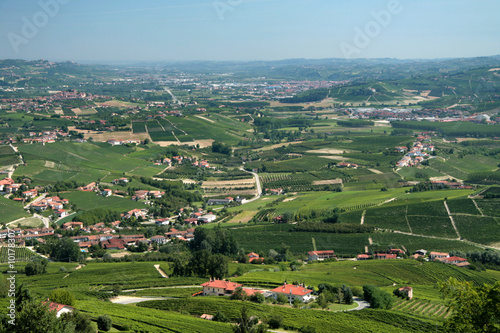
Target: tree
column 218, row 266
column 276, row 321
column 104, row 322
column 219, row 316
column 62, row 296
column 239, row 294
column 322, row 302
column 65, row 250
column 81, row 321
column 37, row 266
column 258, row 298
column 475, row 309
column 35, row 317
column 248, row 324
column 281, row 299
column 348, row 297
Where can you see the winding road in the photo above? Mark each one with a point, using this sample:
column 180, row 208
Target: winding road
column 257, row 182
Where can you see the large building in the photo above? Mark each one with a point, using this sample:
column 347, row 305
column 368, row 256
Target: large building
column 293, row 292
column 219, row 288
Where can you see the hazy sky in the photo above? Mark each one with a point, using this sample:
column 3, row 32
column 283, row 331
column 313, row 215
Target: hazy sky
column 172, row 30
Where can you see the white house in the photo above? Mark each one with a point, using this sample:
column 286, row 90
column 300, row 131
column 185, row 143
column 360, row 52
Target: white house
column 207, row 218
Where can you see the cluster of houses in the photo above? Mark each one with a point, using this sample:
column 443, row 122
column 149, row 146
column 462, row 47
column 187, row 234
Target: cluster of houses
column 432, row 256
column 21, row 235
column 417, row 154
column 55, row 203
column 7, row 185
column 114, row 142
column 146, row 194
column 347, row 165
column 200, row 217
column 110, row 241
column 227, row 288
column 44, row 137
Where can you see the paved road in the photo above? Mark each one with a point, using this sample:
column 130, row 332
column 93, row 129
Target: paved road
column 361, row 304
column 257, row 182
column 136, row 299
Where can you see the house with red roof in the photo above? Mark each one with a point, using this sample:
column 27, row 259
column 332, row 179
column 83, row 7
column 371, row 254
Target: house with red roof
column 320, row 255
column 385, row 256
column 408, row 291
column 30, row 193
column 293, row 292
column 253, row 256
column 457, row 261
column 219, row 288
column 59, row 308
column 363, row 257
column 439, row 256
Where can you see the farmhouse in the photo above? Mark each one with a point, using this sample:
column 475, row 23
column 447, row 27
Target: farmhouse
column 159, row 239
column 293, row 292
column 347, row 165
column 277, row 191
column 59, row 308
column 88, row 188
column 120, row 181
column 320, row 255
column 107, row 193
column 30, row 193
column 219, row 288
column 439, row 256
column 385, row 256
column 253, row 256
column 457, row 261
column 408, row 291
column 207, row 218
column 219, row 201
column 363, row 257
column 4, row 183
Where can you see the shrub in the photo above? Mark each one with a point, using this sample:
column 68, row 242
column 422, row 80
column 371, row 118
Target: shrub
column 219, row 316
column 62, row 296
column 276, row 321
column 281, row 299
column 104, row 323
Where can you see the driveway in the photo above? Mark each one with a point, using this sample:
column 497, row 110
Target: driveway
column 362, row 304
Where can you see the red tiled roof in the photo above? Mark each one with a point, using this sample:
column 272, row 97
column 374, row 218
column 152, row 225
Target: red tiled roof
column 226, row 285
column 292, row 289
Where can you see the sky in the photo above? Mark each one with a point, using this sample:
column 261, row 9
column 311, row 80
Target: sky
column 108, row 31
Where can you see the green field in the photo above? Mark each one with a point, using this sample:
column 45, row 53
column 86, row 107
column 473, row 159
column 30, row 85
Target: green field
column 83, row 162
column 91, row 200
column 479, row 229
column 10, row 210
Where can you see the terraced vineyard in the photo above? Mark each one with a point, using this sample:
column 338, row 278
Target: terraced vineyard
column 21, row 254
column 422, row 307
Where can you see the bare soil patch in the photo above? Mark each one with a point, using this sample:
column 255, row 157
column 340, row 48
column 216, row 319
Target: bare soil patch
column 279, row 145
column 115, row 103
column 290, row 199
column 334, row 157
column 238, row 182
column 76, row 111
column 332, row 151
column 328, row 182
column 378, row 172
column 205, row 118
column 59, row 111
column 243, row 217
